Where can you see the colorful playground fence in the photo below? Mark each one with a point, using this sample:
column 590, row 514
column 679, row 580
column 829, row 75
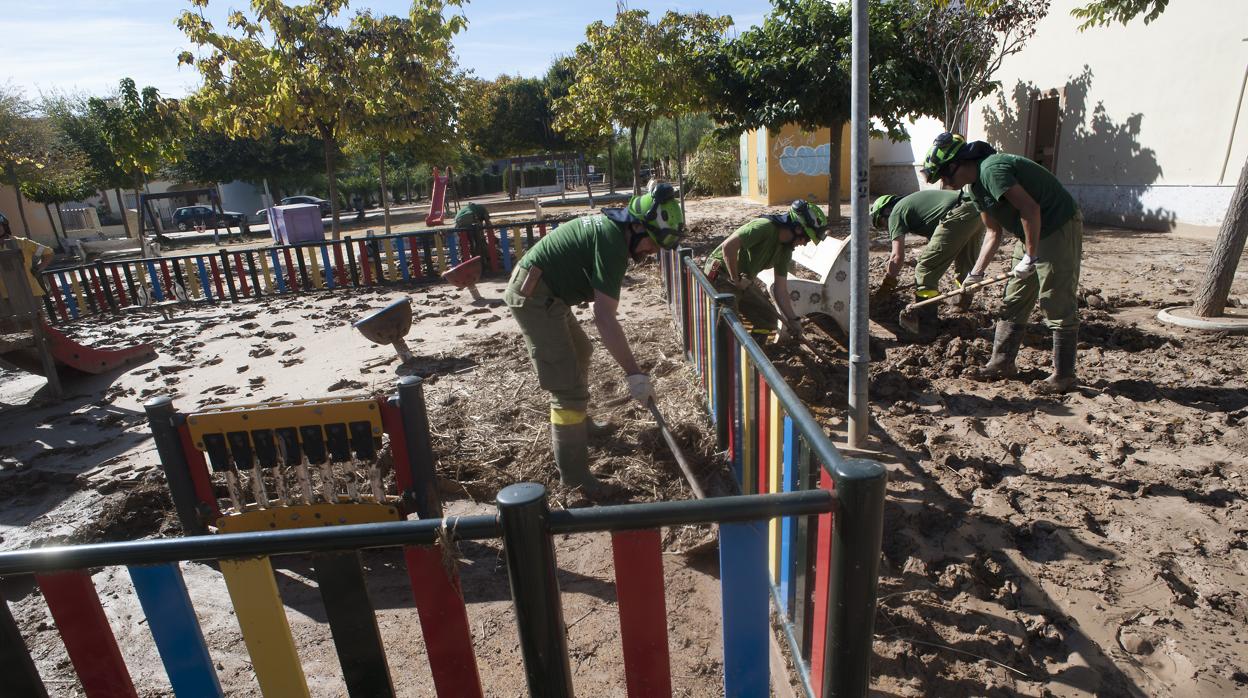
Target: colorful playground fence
column 776, row 446
column 239, row 275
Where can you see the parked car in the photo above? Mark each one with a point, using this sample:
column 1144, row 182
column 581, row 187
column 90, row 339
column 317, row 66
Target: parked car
column 188, row 217
column 300, row 199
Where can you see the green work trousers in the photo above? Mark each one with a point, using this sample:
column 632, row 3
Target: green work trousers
column 558, row 347
column 956, row 241
column 1055, row 282
column 753, row 305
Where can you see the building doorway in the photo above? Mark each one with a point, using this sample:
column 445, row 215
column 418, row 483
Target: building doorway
column 1044, row 128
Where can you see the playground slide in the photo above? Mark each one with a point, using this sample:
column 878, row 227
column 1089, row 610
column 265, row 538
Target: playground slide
column 67, row 352
column 437, row 200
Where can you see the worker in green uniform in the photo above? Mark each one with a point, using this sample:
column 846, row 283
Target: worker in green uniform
column 765, row 243
column 1015, row 194
column 473, row 218
column 954, row 231
column 583, row 261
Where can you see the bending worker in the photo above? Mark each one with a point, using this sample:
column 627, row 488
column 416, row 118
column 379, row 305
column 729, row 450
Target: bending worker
column 474, row 218
column 35, row 258
column 954, row 231
column 765, row 243
column 1018, row 195
column 581, row 261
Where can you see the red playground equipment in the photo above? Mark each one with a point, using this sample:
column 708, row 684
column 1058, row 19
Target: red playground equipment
column 437, row 199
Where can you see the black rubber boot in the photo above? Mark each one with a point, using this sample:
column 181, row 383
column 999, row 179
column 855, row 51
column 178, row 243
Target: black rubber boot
column 1062, row 380
column 1005, row 343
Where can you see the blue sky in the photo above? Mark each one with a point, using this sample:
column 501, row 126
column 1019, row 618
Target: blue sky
column 88, row 45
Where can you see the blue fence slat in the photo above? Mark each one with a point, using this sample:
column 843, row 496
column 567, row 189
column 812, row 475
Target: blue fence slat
column 330, row 281
column 67, row 291
column 401, row 246
column 788, row 525
column 203, row 277
column 278, row 274
column 452, row 247
column 504, row 241
column 745, row 597
column 157, row 294
column 171, row 618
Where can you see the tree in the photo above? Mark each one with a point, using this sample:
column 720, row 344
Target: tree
column 795, row 68
column 633, row 72
column 73, row 118
column 301, row 68
column 66, row 176
column 140, row 128
column 25, row 144
column 278, row 157
column 965, row 44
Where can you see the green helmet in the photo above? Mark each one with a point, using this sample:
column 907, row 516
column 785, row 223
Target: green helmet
column 878, row 218
column 812, row 220
column 944, row 150
column 659, row 211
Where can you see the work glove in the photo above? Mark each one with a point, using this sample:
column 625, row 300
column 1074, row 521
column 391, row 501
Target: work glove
column 640, row 388
column 973, row 278
column 1026, row 267
column 742, row 282
column 887, row 285
column 792, row 328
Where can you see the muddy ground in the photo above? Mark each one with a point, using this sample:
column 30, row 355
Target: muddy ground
column 1092, row 544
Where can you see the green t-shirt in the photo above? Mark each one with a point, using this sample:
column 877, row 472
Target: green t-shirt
column 470, row 214
column 760, row 249
column 999, row 172
column 920, row 212
column 579, row 257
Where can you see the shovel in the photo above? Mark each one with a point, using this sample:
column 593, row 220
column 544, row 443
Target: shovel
column 910, row 323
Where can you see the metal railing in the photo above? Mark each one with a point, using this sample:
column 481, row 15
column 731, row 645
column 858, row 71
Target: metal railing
column 523, row 521
column 238, row 275
column 826, row 602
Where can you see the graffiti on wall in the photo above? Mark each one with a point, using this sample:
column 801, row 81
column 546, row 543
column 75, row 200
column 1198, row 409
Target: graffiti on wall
column 801, row 155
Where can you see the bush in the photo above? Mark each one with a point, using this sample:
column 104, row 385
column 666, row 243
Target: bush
column 714, row 168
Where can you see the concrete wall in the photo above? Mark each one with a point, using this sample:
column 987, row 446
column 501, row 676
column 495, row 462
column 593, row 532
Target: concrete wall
column 790, row 164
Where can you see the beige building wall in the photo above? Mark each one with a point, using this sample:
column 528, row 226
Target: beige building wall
column 1149, row 133
column 36, row 216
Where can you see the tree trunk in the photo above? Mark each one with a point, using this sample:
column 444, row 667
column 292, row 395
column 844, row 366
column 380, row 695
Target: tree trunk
column 1227, row 249
column 121, row 208
column 47, row 209
column 64, row 235
column 330, row 160
column 611, row 161
column 632, row 135
column 141, row 209
column 834, row 171
column 17, row 192
column 385, row 194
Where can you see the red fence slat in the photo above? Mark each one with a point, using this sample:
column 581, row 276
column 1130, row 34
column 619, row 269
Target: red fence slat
column 443, row 622
column 83, row 626
column 643, row 612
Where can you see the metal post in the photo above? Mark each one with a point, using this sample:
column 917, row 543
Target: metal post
column 722, row 377
column 524, row 518
column 684, row 282
column 160, row 414
column 426, row 502
column 857, row 534
column 859, row 352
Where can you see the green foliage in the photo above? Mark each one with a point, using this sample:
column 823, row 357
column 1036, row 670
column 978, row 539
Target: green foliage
column 140, row 128
column 714, row 168
column 634, row 71
column 73, row 118
column 510, row 116
column 1100, row 13
column 283, row 158
column 374, row 81
column 66, row 176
